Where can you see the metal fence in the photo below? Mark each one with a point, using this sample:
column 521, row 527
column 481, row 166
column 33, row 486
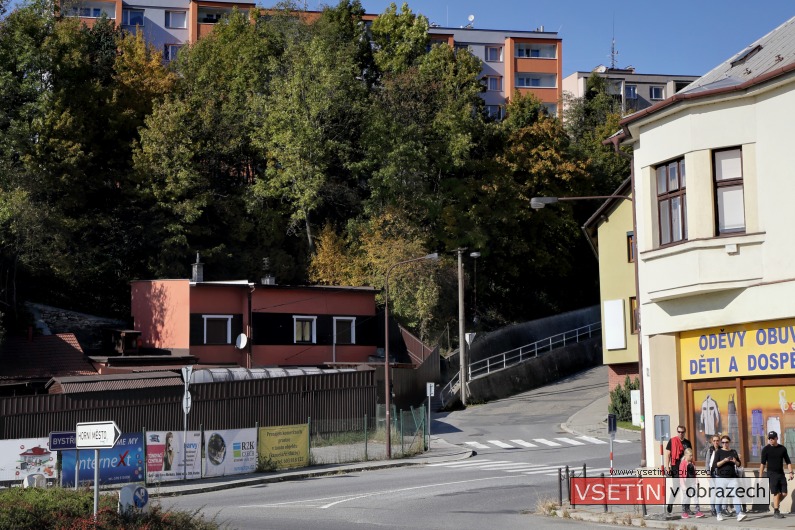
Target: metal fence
column 364, row 438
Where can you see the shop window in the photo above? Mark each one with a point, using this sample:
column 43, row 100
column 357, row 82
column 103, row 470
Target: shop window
column 714, row 412
column 769, row 408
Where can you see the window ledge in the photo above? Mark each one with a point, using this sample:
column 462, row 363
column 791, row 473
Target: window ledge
column 706, row 243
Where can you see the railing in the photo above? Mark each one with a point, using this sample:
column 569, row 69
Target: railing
column 503, row 360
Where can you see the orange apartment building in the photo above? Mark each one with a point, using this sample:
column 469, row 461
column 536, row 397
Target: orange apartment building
column 513, row 61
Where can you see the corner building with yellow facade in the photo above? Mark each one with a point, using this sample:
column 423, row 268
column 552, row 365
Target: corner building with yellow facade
column 713, row 184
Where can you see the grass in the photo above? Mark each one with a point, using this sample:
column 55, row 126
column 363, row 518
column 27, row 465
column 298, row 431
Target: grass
column 627, row 425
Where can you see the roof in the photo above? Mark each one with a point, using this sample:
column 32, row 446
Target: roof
column 98, row 383
column 43, row 357
column 765, row 59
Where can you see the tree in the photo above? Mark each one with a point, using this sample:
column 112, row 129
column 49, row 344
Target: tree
column 399, row 38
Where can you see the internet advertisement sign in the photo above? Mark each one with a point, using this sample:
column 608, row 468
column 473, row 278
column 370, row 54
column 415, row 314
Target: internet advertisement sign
column 122, row 464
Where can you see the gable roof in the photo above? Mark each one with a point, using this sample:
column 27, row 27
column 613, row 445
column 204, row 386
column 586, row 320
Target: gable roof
column 43, row 357
column 765, row 59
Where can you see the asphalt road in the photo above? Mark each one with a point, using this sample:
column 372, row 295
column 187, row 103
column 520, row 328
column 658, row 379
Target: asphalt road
column 500, row 487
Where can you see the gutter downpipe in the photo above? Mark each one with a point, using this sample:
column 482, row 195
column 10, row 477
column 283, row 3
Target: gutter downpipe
column 616, row 140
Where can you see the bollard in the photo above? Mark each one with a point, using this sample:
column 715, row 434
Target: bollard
column 584, row 474
column 568, row 486
column 603, row 483
column 560, row 487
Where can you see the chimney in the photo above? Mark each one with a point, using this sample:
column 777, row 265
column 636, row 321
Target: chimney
column 267, row 277
column 198, row 271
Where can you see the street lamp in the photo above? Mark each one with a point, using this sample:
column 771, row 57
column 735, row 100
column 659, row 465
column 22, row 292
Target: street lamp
column 461, row 335
column 539, row 202
column 388, row 390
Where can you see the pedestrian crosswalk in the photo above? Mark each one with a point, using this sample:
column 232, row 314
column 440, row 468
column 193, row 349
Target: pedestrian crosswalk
column 540, row 442
column 522, row 468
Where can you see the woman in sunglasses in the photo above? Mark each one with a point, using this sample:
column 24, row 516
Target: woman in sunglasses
column 726, row 461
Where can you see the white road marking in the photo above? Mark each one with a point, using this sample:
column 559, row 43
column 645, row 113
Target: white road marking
column 477, row 463
column 523, row 443
column 570, row 441
column 622, row 441
column 546, row 442
column 501, row 444
column 478, row 445
column 592, row 440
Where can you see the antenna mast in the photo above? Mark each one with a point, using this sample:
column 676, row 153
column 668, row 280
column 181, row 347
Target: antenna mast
column 613, row 51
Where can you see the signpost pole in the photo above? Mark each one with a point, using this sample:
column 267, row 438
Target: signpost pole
column 77, row 467
column 187, row 371
column 96, row 482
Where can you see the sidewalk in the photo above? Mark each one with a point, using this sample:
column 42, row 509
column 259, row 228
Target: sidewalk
column 440, row 451
column 587, row 422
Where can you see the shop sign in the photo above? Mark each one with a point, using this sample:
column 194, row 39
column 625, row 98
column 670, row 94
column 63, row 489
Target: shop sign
column 755, row 349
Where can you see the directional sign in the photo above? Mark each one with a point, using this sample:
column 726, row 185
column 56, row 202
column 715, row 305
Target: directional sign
column 97, row 435
column 187, row 371
column 186, row 401
column 62, row 441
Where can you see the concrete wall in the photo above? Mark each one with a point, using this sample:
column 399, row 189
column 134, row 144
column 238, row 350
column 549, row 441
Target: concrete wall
column 522, row 334
column 539, row 371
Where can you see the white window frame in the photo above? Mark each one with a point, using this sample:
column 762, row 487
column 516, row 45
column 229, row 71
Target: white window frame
column 303, row 318
column 125, row 17
column 228, row 319
column 729, row 191
column 170, row 51
column 497, row 79
column 499, row 54
column 169, row 16
column 657, row 87
column 494, row 115
column 352, row 320
column 631, row 91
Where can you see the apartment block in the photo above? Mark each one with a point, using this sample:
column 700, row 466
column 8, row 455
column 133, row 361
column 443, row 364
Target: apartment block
column 513, row 61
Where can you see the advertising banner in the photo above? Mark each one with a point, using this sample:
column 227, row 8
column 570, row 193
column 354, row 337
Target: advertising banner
column 286, row 446
column 230, row 452
column 26, row 456
column 166, row 456
column 754, row 349
column 121, row 465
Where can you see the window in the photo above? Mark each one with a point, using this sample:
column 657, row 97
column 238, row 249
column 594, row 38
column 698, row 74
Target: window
column 305, row 330
column 217, row 329
column 542, row 51
column 132, row 17
column 630, row 247
column 461, row 47
column 493, row 83
column 344, row 330
column 631, row 91
column 729, row 196
column 552, row 108
column 671, row 202
column 87, row 12
column 657, row 92
column 176, row 19
column 494, row 54
column 534, row 80
column 494, row 111
column 633, row 315
column 170, row 51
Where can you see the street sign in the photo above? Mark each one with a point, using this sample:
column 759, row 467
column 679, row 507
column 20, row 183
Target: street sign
column 62, row 441
column 429, row 389
column 97, row 435
column 611, row 423
column 662, row 427
column 186, row 401
column 187, row 371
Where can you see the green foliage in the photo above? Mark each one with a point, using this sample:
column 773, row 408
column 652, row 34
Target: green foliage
column 62, row 509
column 400, row 38
column 621, row 399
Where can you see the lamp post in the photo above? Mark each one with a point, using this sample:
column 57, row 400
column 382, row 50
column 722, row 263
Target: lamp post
column 539, row 202
column 387, row 385
column 462, row 357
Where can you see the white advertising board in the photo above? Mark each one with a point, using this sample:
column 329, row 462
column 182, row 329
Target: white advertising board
column 230, row 452
column 26, row 456
column 165, row 457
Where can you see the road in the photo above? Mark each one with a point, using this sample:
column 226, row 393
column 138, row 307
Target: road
column 500, row 487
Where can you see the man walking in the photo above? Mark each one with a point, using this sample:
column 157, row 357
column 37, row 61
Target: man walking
column 674, row 451
column 774, row 455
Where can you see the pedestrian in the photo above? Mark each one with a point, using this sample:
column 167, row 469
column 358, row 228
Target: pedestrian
column 726, row 462
column 674, row 450
column 687, row 474
column 710, row 470
column 774, row 455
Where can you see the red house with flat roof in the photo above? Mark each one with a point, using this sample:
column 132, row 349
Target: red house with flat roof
column 256, row 325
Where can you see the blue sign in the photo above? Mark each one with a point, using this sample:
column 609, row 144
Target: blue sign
column 60, row 441
column 122, row 464
column 140, row 497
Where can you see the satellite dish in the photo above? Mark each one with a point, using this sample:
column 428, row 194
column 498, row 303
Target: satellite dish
column 241, row 341
column 471, row 18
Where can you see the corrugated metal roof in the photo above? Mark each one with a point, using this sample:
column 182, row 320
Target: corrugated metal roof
column 774, row 50
column 43, row 357
column 99, row 383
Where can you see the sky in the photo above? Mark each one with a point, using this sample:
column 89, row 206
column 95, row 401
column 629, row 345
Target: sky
column 677, row 38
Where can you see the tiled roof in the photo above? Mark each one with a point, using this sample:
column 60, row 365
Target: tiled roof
column 771, row 52
column 43, row 357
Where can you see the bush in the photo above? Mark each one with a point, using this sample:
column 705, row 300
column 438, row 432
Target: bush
column 63, row 509
column 621, row 399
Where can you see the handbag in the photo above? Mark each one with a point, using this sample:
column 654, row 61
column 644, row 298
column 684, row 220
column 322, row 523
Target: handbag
column 739, row 471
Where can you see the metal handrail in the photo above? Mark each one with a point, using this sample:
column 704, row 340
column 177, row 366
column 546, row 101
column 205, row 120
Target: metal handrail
column 503, row 360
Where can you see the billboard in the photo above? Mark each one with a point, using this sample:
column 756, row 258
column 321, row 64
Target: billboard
column 286, row 446
column 27, row 456
column 122, row 464
column 167, row 456
column 230, row 452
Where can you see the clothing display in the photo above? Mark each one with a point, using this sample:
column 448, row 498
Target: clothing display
column 710, row 416
column 774, row 423
column 789, row 440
